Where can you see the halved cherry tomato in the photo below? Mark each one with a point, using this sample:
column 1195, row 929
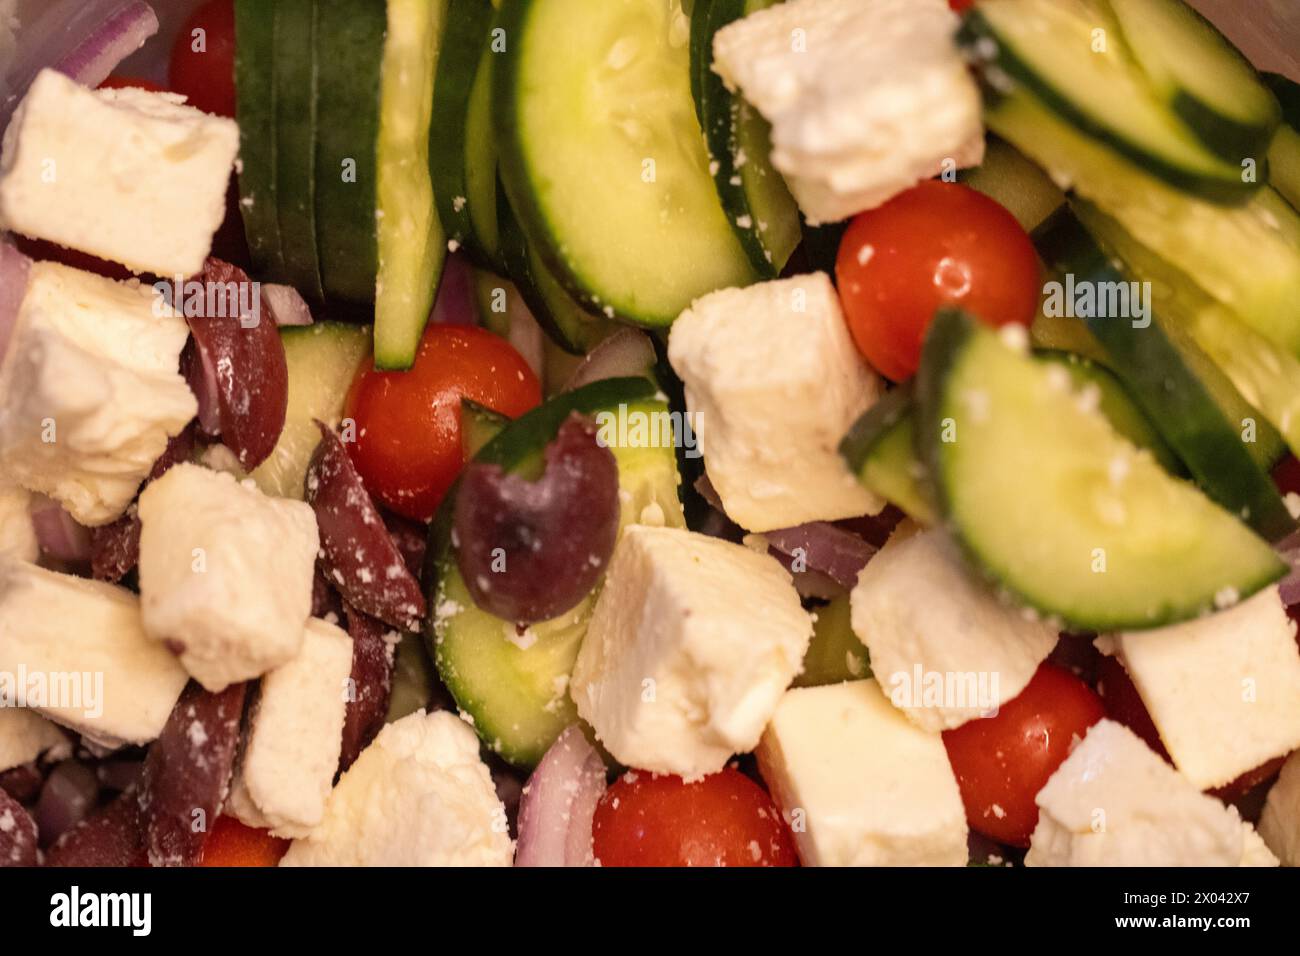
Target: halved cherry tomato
column 231, row 843
column 131, row 83
column 959, row 6
column 725, row 819
column 408, row 446
column 203, row 63
column 1002, row 762
column 937, row 244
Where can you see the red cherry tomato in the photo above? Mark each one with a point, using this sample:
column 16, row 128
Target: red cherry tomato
column 203, row 63
column 408, row 445
column 231, row 843
column 1002, row 762
column 723, row 820
column 959, row 6
column 131, row 83
column 936, row 244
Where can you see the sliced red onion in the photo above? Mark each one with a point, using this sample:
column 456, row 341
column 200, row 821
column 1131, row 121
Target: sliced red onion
column 119, row 35
column 58, row 533
column 455, row 303
column 69, row 794
column 14, row 267
column 709, row 494
column 825, row 548
column 527, row 336
column 286, row 305
column 1289, row 586
column 625, row 354
column 559, row 802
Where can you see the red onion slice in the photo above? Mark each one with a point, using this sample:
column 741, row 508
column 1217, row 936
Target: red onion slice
column 286, row 305
column 58, row 533
column 559, row 802
column 120, row 34
column 823, row 548
column 14, row 267
column 455, row 303
column 625, row 354
column 1289, row 586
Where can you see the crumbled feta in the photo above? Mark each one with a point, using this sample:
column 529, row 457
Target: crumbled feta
column 773, row 382
column 25, row 735
column 17, row 533
column 691, row 644
column 225, row 572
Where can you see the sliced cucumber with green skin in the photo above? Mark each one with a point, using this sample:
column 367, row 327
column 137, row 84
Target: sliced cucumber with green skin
column 1284, row 153
column 456, row 151
column 1157, row 370
column 492, row 296
column 1092, row 531
column 565, row 322
column 1058, row 50
column 255, row 110
column 1202, row 77
column 482, row 190
column 413, row 679
column 739, row 141
column 880, row 450
column 478, row 426
column 295, row 142
column 322, row 360
column 835, row 654
column 412, row 245
column 513, row 687
column 350, row 45
column 1011, row 179
column 603, row 159
column 1247, row 256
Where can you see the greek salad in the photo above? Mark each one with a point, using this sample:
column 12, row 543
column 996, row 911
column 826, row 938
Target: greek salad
column 647, row 433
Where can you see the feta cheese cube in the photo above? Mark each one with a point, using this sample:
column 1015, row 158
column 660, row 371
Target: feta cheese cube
column 90, row 390
column 691, row 644
column 225, row 573
column 295, row 735
column 419, row 795
column 1280, row 823
column 774, row 381
column 78, row 652
column 127, row 175
column 1223, row 690
column 943, row 646
column 25, row 736
column 1114, row 802
column 859, row 784
column 866, row 97
column 17, row 533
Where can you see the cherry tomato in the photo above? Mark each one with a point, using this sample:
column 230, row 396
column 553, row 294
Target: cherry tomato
column 131, row 83
column 203, row 64
column 937, row 244
column 960, row 6
column 1002, row 762
column 231, row 843
column 723, row 820
column 408, row 445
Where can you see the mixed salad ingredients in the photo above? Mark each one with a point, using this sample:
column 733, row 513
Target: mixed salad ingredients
column 647, row 433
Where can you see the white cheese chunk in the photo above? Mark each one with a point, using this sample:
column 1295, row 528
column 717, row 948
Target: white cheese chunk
column 25, row 736
column 1223, row 690
column 773, row 382
column 691, row 644
column 866, row 97
column 943, row 646
column 295, row 735
column 858, row 783
column 17, row 533
column 90, row 390
column 419, row 795
column 1114, row 802
column 126, row 175
column 1280, row 823
column 225, row 573
column 80, row 646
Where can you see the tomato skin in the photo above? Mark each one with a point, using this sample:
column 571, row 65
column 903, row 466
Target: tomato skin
column 131, row 83
column 724, row 819
column 231, row 843
column 1005, row 760
column 959, row 6
column 936, row 244
column 207, row 78
column 408, row 445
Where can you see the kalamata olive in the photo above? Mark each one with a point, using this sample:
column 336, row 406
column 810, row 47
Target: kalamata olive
column 359, row 555
column 187, row 773
column 23, row 782
column 411, row 538
column 372, row 681
column 17, row 833
column 110, row 837
column 531, row 550
column 69, row 794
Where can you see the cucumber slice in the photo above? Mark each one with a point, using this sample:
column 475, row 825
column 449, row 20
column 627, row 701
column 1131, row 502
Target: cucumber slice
column 1092, row 531
column 1202, row 77
column 1162, row 372
column 350, row 46
column 323, row 360
column 255, row 110
column 1284, row 154
column 1011, row 179
column 515, row 688
column 412, row 246
column 1058, row 49
column 1247, row 257
column 481, row 185
column 754, row 196
column 413, row 679
column 461, row 147
column 478, row 426
column 295, row 143
column 835, row 653
column 880, row 450
column 603, row 159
